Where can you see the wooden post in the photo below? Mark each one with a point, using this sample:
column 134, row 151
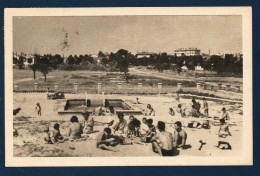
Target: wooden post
column 140, row 85
column 36, row 86
column 159, row 85
column 76, row 87
column 99, row 88
column 178, row 87
column 198, row 86
column 16, row 87
column 56, row 86
column 119, row 85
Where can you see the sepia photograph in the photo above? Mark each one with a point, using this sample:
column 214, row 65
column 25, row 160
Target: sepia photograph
column 128, row 86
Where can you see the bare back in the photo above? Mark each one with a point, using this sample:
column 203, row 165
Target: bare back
column 166, row 140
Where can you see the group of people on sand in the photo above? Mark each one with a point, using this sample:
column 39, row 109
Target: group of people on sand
column 194, row 111
column 75, row 131
column 162, row 142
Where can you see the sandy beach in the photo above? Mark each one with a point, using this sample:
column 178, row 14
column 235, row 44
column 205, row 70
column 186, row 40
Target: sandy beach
column 29, row 142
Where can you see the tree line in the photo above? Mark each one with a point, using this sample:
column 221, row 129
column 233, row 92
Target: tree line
column 123, row 59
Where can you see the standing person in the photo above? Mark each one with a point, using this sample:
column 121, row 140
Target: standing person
column 205, row 107
column 223, row 129
column 194, row 101
column 38, row 109
column 179, row 136
column 120, row 128
column 225, row 115
column 75, row 128
column 88, row 123
column 165, row 139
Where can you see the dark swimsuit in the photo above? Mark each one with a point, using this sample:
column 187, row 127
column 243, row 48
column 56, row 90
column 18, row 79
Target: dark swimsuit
column 167, row 152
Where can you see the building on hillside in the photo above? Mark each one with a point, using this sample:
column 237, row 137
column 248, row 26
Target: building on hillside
column 144, row 54
column 187, row 52
column 199, row 68
column 27, row 58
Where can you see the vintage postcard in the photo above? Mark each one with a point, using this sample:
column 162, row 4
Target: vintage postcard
column 128, row 86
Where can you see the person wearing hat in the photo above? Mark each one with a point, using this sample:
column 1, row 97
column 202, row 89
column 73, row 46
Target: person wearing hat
column 225, row 115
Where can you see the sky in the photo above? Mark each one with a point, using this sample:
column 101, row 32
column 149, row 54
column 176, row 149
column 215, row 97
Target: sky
column 89, row 35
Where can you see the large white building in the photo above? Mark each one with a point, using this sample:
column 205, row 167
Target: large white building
column 144, row 54
column 187, row 52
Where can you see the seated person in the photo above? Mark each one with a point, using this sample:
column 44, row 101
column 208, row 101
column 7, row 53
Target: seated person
column 165, row 139
column 137, row 101
column 106, row 140
column 171, row 112
column 179, row 136
column 223, row 129
column 46, row 135
column 100, row 111
column 75, row 128
column 180, row 110
column 150, row 111
column 120, row 127
column 150, row 133
column 225, row 115
column 194, row 112
column 56, row 137
column 111, row 110
column 88, row 123
column 144, row 127
column 133, row 126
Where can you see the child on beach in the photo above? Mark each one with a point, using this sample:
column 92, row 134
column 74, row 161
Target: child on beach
column 56, row 137
column 223, row 129
column 46, row 136
column 38, row 109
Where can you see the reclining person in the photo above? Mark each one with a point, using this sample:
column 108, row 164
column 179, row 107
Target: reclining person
column 106, row 140
column 165, row 145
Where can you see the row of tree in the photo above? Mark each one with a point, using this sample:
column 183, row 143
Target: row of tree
column 122, row 59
